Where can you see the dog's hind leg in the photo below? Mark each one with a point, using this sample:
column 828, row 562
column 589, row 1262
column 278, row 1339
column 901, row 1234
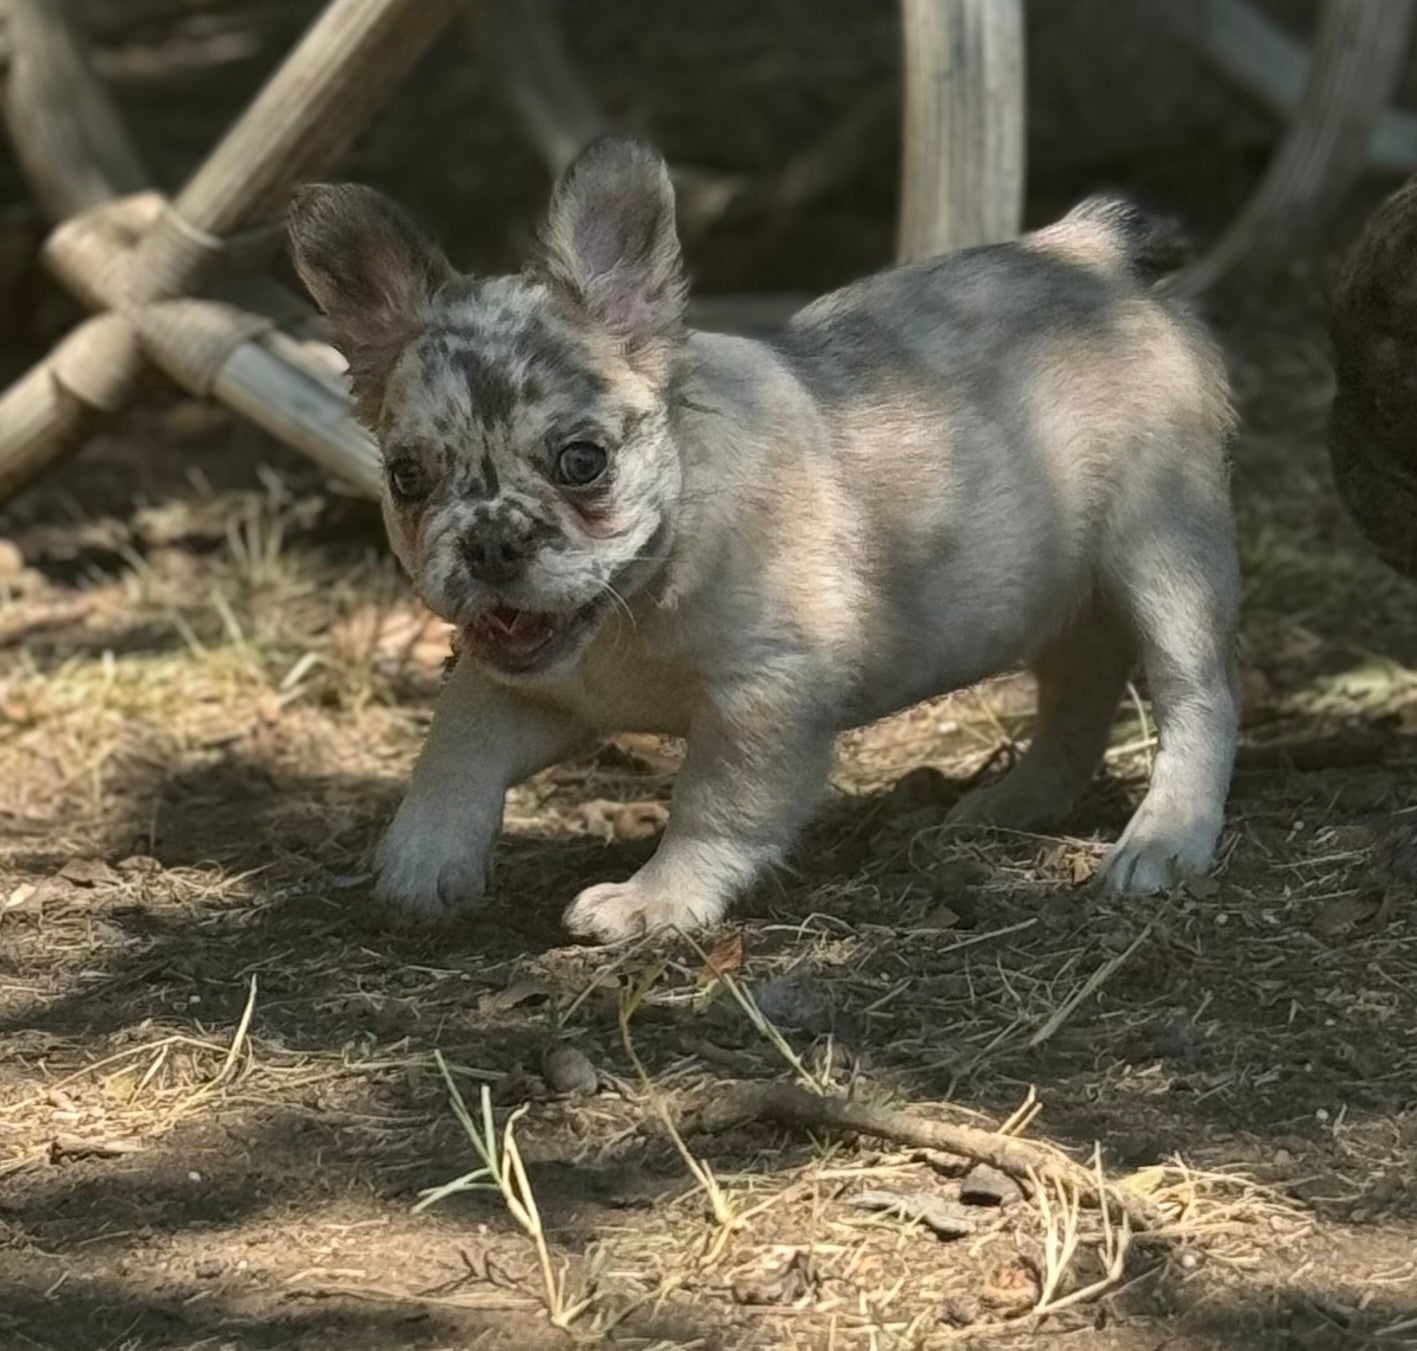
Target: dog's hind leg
column 1081, row 675
column 1174, row 570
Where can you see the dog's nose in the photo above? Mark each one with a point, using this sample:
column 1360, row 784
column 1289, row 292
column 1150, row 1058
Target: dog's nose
column 495, row 553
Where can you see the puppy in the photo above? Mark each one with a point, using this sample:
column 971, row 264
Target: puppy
column 1010, row 456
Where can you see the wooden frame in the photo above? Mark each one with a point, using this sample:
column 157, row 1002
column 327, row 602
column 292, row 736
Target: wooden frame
column 150, row 268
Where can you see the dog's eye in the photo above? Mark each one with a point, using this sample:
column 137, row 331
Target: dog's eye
column 580, row 464
column 407, row 479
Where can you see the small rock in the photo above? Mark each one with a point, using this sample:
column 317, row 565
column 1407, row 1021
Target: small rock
column 567, row 1070
column 208, row 1268
column 986, row 1186
column 947, row 1218
column 796, row 1002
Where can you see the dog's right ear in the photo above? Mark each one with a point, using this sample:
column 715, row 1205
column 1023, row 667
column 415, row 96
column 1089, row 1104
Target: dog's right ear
column 368, row 266
column 610, row 244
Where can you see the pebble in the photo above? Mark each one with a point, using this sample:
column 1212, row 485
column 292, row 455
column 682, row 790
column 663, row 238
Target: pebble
column 567, row 1070
column 987, row 1186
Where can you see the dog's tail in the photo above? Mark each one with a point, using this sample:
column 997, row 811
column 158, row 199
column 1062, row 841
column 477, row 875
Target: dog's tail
column 1114, row 233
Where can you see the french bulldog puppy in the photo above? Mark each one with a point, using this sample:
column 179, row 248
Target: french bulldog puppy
column 1010, row 456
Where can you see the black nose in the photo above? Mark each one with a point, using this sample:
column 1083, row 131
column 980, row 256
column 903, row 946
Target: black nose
column 495, row 553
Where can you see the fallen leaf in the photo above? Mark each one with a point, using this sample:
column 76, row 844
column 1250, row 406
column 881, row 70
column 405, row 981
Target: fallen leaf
column 940, row 918
column 1011, row 1288
column 724, row 956
column 88, row 872
column 1144, row 1181
column 22, row 899
column 946, row 1217
column 518, row 992
column 1345, row 916
column 787, row 1284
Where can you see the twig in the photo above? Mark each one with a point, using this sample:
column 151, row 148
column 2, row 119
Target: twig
column 65, row 1146
column 1306, row 754
column 1089, row 987
column 733, row 1104
column 238, row 1040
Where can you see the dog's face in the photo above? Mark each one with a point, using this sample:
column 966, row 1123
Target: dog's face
column 531, row 476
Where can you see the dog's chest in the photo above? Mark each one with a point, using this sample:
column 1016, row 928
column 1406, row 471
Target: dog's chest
column 627, row 681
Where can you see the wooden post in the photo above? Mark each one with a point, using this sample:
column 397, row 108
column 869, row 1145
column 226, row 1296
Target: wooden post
column 962, row 174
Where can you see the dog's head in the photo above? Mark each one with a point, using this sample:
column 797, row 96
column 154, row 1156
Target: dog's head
column 531, row 476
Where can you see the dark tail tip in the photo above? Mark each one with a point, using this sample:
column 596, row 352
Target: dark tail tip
column 1155, row 245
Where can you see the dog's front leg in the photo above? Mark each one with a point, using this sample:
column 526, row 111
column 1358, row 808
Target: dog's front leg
column 758, row 755
column 485, row 738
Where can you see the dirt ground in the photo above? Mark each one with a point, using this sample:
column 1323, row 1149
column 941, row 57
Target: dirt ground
column 224, row 1080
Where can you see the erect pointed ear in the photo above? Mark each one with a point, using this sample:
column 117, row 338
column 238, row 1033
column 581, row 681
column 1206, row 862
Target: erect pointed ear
column 610, row 244
column 368, row 266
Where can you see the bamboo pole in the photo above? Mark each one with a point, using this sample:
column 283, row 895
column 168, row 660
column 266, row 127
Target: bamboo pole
column 296, row 405
column 327, row 89
column 1360, row 55
column 1243, row 43
column 962, row 174
column 65, row 128
column 46, row 410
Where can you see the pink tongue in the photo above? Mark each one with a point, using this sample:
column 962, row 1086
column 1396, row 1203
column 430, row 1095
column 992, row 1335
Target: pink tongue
column 518, row 623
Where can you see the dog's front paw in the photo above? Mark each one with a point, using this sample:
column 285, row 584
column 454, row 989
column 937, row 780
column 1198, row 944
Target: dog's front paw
column 427, row 869
column 1156, row 855
column 615, row 911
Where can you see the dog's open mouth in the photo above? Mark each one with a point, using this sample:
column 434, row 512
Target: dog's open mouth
column 521, row 642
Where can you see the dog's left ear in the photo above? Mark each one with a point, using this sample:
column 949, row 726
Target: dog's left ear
column 368, row 266
column 610, row 244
